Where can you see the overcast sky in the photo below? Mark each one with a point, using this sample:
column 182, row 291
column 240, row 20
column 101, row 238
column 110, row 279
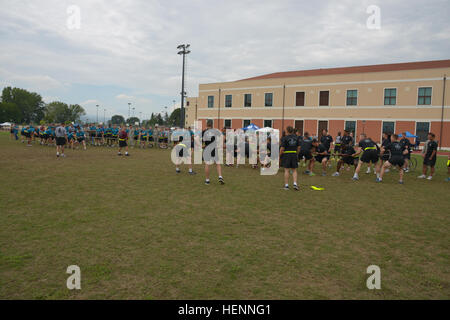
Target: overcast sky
column 125, row 51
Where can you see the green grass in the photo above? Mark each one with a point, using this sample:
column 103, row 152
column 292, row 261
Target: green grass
column 139, row 231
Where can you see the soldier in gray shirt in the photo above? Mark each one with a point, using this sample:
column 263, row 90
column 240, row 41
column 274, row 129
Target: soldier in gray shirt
column 61, row 138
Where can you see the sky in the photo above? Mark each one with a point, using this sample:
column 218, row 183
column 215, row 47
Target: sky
column 111, row 53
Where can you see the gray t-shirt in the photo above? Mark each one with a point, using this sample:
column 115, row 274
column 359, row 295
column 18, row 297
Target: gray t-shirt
column 60, row 132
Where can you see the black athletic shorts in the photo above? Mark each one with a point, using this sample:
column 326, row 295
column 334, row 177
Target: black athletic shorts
column 337, row 149
column 385, row 157
column 136, row 138
column 99, row 135
column 320, row 158
column 143, row 138
column 80, row 140
column 289, row 161
column 60, row 141
column 304, row 155
column 27, row 135
column 122, row 143
column 350, row 161
column 407, row 156
column 150, row 139
column 428, row 162
column 397, row 161
column 370, row 155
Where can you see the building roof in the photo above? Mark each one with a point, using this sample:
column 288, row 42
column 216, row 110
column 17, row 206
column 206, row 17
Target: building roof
column 359, row 69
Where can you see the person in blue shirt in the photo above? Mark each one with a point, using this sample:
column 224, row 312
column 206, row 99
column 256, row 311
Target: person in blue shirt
column 108, row 136
column 29, row 134
column 115, row 135
column 92, row 133
column 16, row 131
column 70, row 139
column 143, row 137
column 150, row 137
column 99, row 136
column 81, row 137
column 136, row 134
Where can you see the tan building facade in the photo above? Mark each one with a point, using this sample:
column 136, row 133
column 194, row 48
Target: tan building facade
column 373, row 99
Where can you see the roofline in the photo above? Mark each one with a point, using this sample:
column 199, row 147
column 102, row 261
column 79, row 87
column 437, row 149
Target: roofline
column 434, row 64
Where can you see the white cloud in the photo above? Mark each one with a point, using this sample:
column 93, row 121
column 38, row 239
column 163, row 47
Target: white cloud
column 132, row 44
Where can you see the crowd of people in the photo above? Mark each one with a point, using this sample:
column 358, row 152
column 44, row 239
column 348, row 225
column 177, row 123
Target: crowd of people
column 295, row 149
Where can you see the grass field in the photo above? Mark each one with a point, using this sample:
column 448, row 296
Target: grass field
column 139, row 231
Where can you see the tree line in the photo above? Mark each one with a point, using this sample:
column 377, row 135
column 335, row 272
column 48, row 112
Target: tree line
column 21, row 106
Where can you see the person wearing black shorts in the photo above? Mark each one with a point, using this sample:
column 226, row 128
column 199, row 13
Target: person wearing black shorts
column 408, row 146
column 210, row 139
column 306, row 144
column 368, row 148
column 289, row 156
column 348, row 157
column 323, row 156
column 123, row 138
column 61, row 139
column 396, row 158
column 183, row 153
column 429, row 158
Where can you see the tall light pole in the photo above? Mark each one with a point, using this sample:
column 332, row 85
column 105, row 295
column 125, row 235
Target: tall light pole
column 104, row 116
column 133, row 111
column 97, row 114
column 183, row 50
column 129, row 106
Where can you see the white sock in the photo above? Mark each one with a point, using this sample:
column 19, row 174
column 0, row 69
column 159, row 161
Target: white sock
column 295, row 183
column 286, row 185
column 220, row 177
column 190, row 169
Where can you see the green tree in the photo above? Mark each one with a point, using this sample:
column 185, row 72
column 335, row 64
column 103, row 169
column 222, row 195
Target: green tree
column 133, row 120
column 175, row 118
column 117, row 119
column 30, row 104
column 9, row 112
column 61, row 112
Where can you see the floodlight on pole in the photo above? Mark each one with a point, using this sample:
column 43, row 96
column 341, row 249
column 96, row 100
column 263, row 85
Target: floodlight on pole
column 183, row 50
column 97, row 113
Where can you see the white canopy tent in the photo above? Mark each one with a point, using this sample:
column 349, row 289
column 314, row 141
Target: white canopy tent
column 266, row 129
column 5, row 124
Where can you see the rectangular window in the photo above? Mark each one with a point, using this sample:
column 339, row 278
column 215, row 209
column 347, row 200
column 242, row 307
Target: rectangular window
column 324, row 98
column 388, row 127
column 227, row 123
column 424, row 96
column 390, row 97
column 210, row 101
column 352, row 97
column 246, row 123
column 228, row 100
column 268, row 99
column 350, row 126
column 268, row 123
column 300, row 99
column 422, row 129
column 247, row 100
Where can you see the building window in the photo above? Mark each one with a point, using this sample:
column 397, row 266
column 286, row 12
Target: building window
column 388, row 127
column 187, row 103
column 352, row 97
column 300, row 99
column 422, row 130
column 390, row 97
column 227, row 123
column 246, row 123
column 247, row 100
column 210, row 101
column 268, row 99
column 350, row 126
column 228, row 100
column 268, row 123
column 425, row 96
column 324, row 98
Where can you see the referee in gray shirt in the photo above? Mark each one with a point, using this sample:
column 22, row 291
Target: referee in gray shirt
column 61, row 138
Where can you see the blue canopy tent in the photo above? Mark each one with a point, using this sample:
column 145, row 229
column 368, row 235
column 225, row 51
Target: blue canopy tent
column 251, row 126
column 408, row 135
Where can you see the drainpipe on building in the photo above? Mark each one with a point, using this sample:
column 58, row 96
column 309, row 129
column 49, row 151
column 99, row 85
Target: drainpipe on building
column 196, row 103
column 282, row 117
column 218, row 116
column 442, row 112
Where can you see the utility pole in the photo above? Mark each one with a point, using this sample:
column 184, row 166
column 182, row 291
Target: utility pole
column 97, row 114
column 183, row 50
column 129, row 107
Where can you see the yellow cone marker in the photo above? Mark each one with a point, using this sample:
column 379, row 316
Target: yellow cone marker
column 317, row 189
